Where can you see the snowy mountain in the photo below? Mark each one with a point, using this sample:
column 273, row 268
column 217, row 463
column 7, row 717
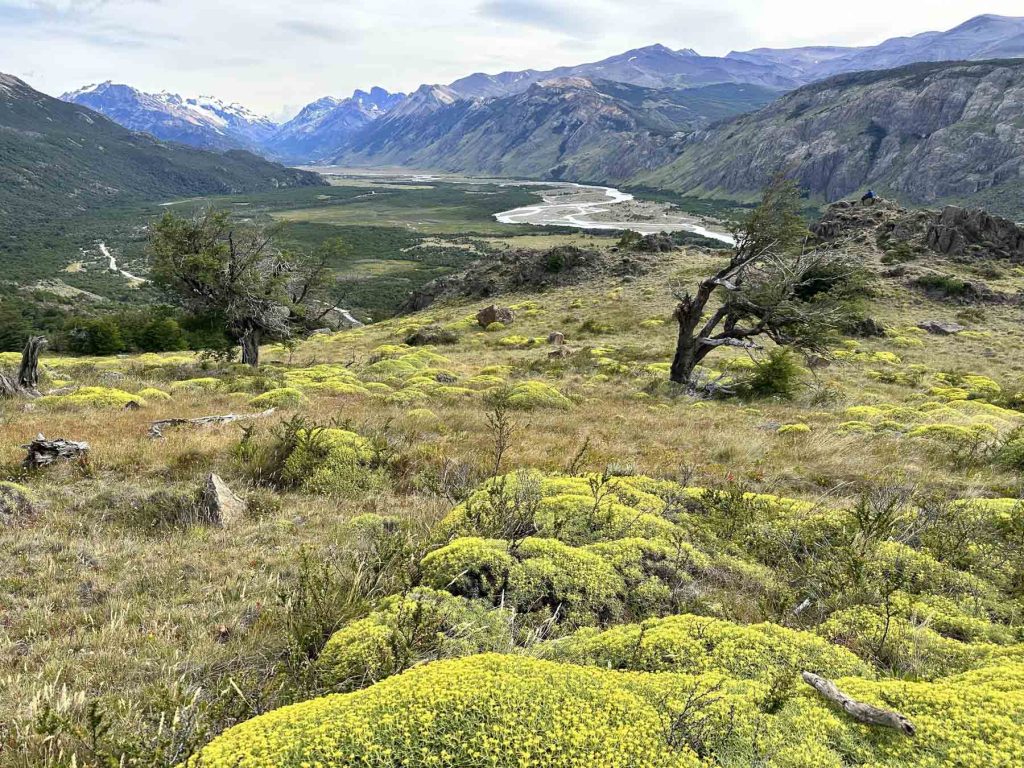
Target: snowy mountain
column 204, row 122
column 322, row 127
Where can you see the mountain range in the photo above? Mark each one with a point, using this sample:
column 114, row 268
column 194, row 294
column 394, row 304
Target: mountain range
column 58, row 159
column 668, row 118
column 923, row 133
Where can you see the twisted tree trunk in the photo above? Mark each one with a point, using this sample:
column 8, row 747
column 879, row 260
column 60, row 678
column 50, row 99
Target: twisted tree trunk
column 251, row 346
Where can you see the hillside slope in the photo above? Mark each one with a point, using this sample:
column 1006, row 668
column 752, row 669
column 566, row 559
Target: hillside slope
column 922, row 134
column 60, row 159
column 569, row 128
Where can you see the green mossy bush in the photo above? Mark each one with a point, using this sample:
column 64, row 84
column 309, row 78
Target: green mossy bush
column 332, row 462
column 405, row 630
column 91, row 397
column 284, row 397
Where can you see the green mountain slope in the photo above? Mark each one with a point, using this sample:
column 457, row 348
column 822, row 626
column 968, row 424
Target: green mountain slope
column 59, row 160
column 926, row 133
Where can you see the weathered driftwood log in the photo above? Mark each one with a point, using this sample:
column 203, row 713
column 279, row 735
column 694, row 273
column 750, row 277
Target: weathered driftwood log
column 28, row 372
column 858, row 710
column 43, row 452
column 156, row 429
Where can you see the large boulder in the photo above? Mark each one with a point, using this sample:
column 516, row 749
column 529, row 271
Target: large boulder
column 495, row 314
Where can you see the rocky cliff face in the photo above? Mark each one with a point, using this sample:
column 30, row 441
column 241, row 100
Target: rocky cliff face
column 922, row 134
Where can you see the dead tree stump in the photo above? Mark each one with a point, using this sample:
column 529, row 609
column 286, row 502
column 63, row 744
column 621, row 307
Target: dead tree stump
column 28, row 373
column 43, row 452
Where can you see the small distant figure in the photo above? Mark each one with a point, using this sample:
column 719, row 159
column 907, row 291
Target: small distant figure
column 869, row 197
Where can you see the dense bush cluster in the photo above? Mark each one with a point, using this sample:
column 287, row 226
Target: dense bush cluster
column 645, row 623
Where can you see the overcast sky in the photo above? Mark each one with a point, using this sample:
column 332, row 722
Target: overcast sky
column 272, row 55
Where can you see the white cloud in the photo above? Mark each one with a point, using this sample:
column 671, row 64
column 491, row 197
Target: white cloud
column 266, row 54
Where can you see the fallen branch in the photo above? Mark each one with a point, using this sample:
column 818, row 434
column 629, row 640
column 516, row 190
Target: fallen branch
column 157, row 427
column 43, row 452
column 867, row 714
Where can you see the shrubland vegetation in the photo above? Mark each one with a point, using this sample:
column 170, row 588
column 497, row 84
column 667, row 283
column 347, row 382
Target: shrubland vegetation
column 492, row 555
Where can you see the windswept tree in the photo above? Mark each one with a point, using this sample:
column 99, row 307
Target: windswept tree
column 217, row 267
column 776, row 285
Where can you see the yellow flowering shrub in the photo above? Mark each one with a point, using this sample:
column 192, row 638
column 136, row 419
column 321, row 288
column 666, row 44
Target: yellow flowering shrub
column 536, row 394
column 502, row 710
column 699, row 644
column 153, row 394
column 203, row 384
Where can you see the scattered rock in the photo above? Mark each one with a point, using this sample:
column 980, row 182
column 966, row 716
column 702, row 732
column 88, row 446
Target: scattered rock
column 560, row 352
column 868, row 328
column 556, row 338
column 940, row 328
column 495, row 314
column 445, row 378
column 223, row 506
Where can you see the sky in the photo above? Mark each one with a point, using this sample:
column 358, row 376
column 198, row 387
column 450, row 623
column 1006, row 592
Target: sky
column 275, row 56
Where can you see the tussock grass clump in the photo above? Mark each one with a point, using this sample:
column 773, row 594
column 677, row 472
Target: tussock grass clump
column 17, row 503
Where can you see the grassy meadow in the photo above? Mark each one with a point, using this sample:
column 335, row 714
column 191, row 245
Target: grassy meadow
column 133, row 631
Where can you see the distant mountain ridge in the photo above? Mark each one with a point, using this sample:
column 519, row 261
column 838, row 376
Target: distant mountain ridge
column 570, row 128
column 317, row 133
column 60, row 159
column 324, row 127
column 204, row 122
column 983, row 37
column 923, row 133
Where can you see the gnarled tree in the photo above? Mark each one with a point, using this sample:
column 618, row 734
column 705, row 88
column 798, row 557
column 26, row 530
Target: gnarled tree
column 216, row 266
column 775, row 285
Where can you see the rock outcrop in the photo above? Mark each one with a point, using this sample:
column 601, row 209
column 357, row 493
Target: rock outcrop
column 969, row 231
column 964, row 233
